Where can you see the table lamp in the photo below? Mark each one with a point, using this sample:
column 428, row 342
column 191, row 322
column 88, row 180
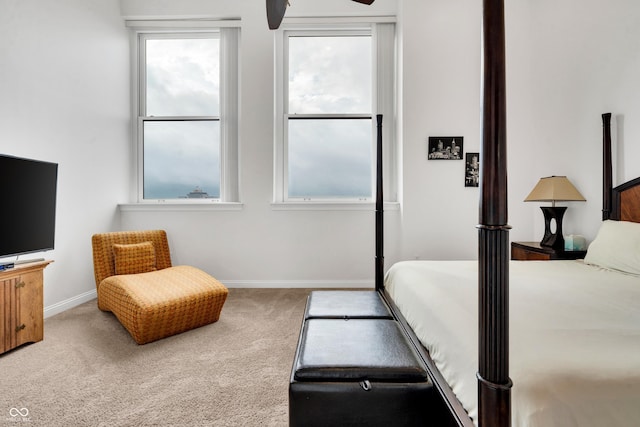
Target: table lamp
column 554, row 189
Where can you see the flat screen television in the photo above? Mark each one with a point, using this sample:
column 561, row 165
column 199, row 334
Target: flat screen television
column 28, row 212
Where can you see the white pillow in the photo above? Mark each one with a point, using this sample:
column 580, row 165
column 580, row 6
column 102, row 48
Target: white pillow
column 616, row 247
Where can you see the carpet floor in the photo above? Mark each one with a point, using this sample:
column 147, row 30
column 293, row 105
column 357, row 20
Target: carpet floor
column 88, row 371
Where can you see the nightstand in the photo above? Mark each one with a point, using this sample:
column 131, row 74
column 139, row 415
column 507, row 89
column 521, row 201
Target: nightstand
column 532, row 251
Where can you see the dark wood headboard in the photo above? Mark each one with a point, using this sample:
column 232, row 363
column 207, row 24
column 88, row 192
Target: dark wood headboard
column 625, row 201
column 621, row 203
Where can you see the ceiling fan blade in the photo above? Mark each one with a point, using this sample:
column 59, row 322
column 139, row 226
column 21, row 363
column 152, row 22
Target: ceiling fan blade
column 276, row 9
column 275, row 12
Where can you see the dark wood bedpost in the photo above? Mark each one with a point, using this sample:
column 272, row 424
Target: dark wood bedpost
column 607, row 180
column 494, row 384
column 379, row 275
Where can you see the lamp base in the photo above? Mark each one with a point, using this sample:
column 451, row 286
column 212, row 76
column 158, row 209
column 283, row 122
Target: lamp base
column 553, row 240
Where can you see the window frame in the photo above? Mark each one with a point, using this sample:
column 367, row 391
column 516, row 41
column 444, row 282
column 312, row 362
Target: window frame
column 383, row 102
column 229, row 37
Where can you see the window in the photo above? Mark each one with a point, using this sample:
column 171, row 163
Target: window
column 186, row 122
column 332, row 83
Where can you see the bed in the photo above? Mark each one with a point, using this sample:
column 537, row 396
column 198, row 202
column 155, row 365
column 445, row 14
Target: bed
column 526, row 343
column 574, row 327
column 574, row 336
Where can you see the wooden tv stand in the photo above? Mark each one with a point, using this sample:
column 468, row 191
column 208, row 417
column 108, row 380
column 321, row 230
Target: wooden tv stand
column 21, row 299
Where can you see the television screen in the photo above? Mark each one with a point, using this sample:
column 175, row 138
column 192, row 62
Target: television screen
column 28, row 213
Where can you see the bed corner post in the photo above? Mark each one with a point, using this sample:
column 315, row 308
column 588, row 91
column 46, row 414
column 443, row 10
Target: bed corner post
column 607, row 180
column 494, row 384
column 379, row 270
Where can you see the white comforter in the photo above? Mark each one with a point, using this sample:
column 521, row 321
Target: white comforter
column 574, row 337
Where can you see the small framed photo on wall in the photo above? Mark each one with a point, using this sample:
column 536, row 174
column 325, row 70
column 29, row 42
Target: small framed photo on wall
column 472, row 170
column 445, row 148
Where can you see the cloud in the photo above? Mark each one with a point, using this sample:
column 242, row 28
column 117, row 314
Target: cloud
column 330, row 158
column 327, row 158
column 183, row 77
column 180, row 156
column 330, row 74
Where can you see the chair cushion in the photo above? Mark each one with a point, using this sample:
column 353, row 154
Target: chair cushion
column 161, row 303
column 103, row 257
column 134, row 258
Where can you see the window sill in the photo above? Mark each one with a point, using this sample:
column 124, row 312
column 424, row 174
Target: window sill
column 332, row 206
column 180, row 207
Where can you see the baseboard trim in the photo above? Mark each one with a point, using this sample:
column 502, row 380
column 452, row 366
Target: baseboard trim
column 311, row 284
column 61, row 306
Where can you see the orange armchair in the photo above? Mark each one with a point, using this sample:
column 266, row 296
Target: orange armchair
column 151, row 298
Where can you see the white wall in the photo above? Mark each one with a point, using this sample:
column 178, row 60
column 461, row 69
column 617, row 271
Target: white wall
column 64, row 85
column 558, row 85
column 64, row 80
column 260, row 246
column 567, row 63
column 440, row 97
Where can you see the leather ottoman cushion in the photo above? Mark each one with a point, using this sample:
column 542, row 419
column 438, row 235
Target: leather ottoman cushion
column 355, row 350
column 346, row 304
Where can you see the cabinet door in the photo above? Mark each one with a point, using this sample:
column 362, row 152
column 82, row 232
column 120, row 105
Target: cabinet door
column 6, row 292
column 29, row 305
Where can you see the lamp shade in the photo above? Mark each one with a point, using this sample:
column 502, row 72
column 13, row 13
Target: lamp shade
column 554, row 189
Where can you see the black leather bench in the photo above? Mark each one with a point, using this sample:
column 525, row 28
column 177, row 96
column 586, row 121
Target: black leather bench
column 355, row 366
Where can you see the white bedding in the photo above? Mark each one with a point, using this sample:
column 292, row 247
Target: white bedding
column 574, row 337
